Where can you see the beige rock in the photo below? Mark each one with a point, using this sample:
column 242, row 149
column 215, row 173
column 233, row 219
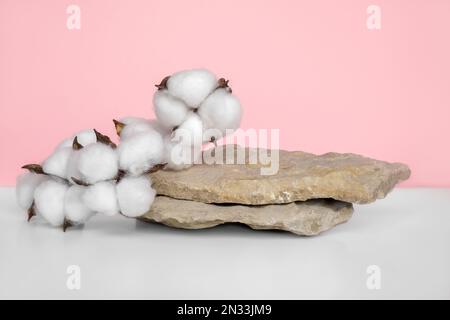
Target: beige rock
column 303, row 218
column 301, row 176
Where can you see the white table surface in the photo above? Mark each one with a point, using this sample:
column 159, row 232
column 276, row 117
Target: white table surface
column 407, row 235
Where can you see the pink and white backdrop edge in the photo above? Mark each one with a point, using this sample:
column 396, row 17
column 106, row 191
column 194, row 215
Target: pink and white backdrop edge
column 310, row 68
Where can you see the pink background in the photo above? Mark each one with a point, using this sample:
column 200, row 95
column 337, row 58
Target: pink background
column 310, row 68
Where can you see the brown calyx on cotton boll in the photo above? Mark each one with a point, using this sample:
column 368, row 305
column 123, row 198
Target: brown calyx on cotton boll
column 76, row 145
column 156, row 167
column 80, row 182
column 101, row 138
column 119, row 126
column 223, row 83
column 31, row 212
column 120, row 175
column 35, row 168
column 163, row 83
column 66, row 224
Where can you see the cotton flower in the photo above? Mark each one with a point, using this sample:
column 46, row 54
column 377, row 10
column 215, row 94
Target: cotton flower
column 135, row 127
column 101, row 197
column 74, row 208
column 198, row 89
column 169, row 110
column 91, row 163
column 84, row 137
column 130, row 119
column 221, row 110
column 135, row 195
column 130, row 126
column 97, row 162
column 72, row 171
column 56, row 163
column 49, row 201
column 25, row 187
column 192, row 86
column 66, row 143
column 140, row 152
column 87, row 173
column 190, row 132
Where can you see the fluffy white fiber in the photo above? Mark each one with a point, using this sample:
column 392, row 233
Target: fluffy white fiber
column 66, row 143
column 56, row 164
column 221, row 110
column 135, row 127
column 60, row 162
column 131, row 119
column 101, row 197
column 169, row 110
column 72, row 167
column 49, row 201
column 190, row 132
column 63, row 162
column 75, row 209
column 84, row 138
column 97, row 162
column 192, row 86
column 26, row 184
column 141, row 152
column 217, row 109
column 135, row 195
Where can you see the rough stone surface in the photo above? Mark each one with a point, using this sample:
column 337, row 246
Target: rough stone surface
column 303, row 218
column 301, row 176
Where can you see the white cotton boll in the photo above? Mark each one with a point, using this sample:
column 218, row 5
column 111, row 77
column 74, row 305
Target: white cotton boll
column 75, row 209
column 134, row 125
column 86, row 137
column 66, row 143
column 221, row 110
column 49, row 201
column 101, row 197
column 56, row 164
column 97, row 162
column 135, row 195
column 141, row 152
column 134, row 128
column 192, row 86
column 179, row 156
column 130, row 120
column 72, row 166
column 25, row 187
column 169, row 110
column 190, row 132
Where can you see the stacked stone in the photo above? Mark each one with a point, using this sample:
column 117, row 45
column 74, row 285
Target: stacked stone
column 309, row 193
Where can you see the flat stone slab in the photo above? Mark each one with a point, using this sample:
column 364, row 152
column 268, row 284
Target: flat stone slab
column 301, row 176
column 303, row 218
